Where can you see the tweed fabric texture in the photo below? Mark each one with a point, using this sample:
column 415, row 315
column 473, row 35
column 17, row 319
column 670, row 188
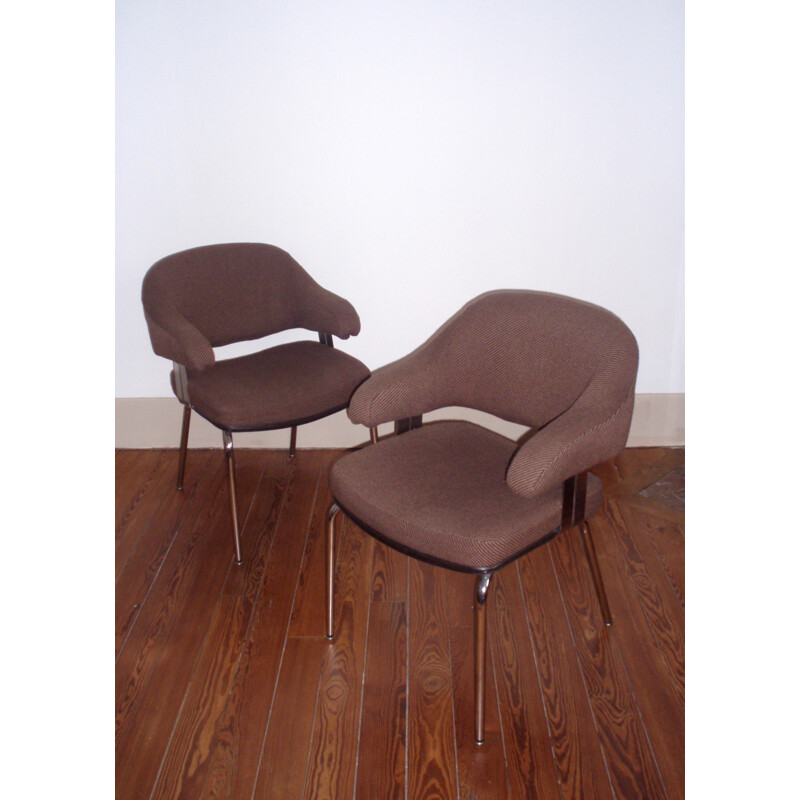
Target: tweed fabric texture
column 275, row 388
column 440, row 491
column 215, row 295
column 562, row 366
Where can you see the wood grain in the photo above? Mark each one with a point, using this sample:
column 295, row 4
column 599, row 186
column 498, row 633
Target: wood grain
column 633, row 770
column 382, row 746
column 284, row 760
column 158, row 534
column 431, row 736
column 578, row 752
column 234, row 763
column 332, row 766
column 529, row 751
column 227, row 689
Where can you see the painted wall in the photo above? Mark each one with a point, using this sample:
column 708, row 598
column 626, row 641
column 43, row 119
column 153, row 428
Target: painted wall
column 410, row 155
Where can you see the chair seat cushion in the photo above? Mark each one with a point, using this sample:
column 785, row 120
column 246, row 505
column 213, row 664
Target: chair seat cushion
column 275, row 388
column 440, row 492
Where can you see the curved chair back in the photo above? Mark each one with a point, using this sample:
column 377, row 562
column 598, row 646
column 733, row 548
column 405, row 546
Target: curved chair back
column 236, row 292
column 556, row 364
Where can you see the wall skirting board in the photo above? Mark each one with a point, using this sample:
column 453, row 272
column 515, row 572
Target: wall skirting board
column 144, row 422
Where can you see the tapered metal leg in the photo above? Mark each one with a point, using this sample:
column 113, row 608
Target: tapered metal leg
column 187, row 413
column 227, row 441
column 597, row 577
column 293, row 442
column 481, row 591
column 329, row 570
column 373, row 435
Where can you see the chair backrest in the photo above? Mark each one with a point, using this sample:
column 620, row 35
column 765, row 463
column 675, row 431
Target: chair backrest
column 524, row 356
column 230, row 292
column 527, row 356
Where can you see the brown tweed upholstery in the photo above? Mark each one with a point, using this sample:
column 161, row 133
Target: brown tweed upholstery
column 459, row 494
column 559, row 365
column 219, row 294
column 285, row 385
column 211, row 296
column 439, row 491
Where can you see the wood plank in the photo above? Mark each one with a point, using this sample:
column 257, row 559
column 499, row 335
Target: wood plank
column 639, row 467
column 308, row 614
column 234, row 762
column 159, row 532
column 142, row 651
column 284, row 760
column 277, row 471
column 460, row 600
column 138, row 501
column 182, row 774
column 156, row 664
column 132, row 469
column 658, row 701
column 633, row 770
column 667, row 540
column 390, row 575
column 431, row 734
column 661, row 607
column 332, row 766
column 529, row 753
column 482, row 773
column 382, row 746
column 579, row 756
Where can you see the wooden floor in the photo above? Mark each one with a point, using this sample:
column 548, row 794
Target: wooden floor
column 227, row 688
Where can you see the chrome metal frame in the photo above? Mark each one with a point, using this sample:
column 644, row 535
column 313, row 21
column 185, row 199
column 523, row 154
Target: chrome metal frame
column 373, row 435
column 330, row 569
column 227, row 442
column 187, row 414
column 481, row 592
column 573, row 513
column 293, row 442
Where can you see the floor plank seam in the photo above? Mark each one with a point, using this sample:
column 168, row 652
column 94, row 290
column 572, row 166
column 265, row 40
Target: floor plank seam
column 288, row 621
column 582, row 673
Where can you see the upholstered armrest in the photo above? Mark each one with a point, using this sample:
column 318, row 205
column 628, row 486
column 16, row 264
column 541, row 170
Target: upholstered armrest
column 326, row 312
column 585, row 435
column 402, row 389
column 175, row 338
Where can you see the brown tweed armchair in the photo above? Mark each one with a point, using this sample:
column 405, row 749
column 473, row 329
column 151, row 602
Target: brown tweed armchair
column 458, row 495
column 216, row 295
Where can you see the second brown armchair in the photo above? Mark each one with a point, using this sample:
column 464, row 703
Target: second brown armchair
column 461, row 496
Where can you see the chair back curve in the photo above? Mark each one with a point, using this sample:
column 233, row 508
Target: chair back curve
column 241, row 291
column 524, row 356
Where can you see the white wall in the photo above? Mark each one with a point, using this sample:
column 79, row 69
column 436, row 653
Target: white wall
column 410, row 155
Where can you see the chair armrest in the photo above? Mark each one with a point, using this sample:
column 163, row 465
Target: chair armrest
column 318, row 309
column 175, row 338
column 585, row 435
column 396, row 391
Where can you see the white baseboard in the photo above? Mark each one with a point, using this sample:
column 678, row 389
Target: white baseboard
column 144, row 422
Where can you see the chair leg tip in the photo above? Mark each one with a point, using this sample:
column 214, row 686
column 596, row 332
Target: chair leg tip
column 479, row 741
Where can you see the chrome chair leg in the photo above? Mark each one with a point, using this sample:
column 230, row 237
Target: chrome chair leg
column 594, row 566
column 373, row 435
column 187, row 413
column 227, row 441
column 481, row 591
column 293, row 442
column 329, row 570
